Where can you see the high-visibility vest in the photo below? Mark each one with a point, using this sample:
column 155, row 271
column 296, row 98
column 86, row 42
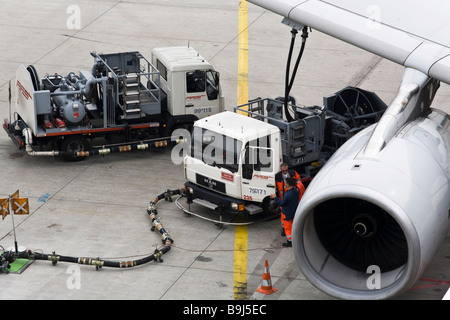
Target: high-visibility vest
column 281, row 188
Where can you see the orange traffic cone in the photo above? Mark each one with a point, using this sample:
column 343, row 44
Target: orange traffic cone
column 266, row 286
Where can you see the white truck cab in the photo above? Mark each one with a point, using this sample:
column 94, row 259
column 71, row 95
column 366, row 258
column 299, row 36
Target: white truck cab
column 189, row 81
column 232, row 163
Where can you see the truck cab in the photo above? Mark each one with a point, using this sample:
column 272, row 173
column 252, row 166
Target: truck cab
column 191, row 84
column 232, row 162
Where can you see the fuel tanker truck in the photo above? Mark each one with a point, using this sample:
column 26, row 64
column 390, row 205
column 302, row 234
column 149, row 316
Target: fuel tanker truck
column 125, row 100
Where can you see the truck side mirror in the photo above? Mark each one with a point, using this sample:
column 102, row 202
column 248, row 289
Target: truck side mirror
column 212, row 84
column 247, row 171
column 217, row 78
column 247, row 167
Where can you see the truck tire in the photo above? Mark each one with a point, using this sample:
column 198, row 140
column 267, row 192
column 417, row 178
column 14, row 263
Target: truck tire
column 185, row 126
column 270, row 211
column 72, row 144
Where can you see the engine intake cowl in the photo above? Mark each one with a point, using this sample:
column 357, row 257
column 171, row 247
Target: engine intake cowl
column 367, row 227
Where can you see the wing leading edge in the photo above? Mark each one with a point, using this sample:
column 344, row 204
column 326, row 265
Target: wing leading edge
column 412, row 33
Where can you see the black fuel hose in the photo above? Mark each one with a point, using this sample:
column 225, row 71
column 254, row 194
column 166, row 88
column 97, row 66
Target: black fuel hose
column 290, row 83
column 98, row 263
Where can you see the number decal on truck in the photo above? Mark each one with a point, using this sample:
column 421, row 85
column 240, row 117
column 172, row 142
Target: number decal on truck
column 257, row 191
column 246, row 197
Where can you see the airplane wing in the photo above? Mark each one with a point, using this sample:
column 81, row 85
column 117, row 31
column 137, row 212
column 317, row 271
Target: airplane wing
column 413, row 33
column 370, row 205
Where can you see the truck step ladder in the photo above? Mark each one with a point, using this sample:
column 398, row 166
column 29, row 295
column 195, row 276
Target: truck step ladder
column 131, row 96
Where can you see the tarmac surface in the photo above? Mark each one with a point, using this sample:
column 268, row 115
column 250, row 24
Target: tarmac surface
column 97, row 207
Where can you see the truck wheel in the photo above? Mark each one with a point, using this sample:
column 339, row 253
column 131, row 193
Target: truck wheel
column 269, row 210
column 74, row 144
column 186, row 126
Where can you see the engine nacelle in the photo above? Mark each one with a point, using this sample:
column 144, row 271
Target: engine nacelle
column 367, row 227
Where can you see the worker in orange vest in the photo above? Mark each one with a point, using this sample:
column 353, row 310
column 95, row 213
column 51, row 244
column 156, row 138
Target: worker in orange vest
column 281, row 189
column 289, row 205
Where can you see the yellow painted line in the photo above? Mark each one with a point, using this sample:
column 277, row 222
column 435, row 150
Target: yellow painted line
column 240, row 263
column 241, row 232
column 242, row 84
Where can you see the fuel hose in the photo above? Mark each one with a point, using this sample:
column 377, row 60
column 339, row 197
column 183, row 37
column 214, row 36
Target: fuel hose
column 99, row 263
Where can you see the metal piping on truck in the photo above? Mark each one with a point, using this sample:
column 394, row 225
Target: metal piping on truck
column 104, row 150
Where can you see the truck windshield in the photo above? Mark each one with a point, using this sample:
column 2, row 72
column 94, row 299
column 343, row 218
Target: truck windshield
column 215, row 149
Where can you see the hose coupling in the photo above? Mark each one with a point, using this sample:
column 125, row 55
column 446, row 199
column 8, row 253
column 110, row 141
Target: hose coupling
column 168, row 196
column 54, row 258
column 97, row 263
column 151, row 209
column 158, row 254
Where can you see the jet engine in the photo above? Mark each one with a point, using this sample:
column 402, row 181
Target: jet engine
column 368, row 226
